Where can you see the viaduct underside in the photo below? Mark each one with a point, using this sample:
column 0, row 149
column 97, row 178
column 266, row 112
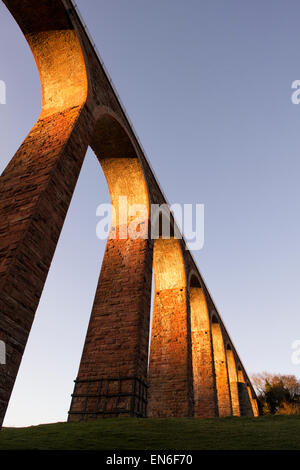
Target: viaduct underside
column 194, row 369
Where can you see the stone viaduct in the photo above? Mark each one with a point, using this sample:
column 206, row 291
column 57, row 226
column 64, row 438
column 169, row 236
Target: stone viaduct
column 194, row 369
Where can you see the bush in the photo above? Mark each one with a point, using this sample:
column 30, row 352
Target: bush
column 277, row 394
column 288, row 409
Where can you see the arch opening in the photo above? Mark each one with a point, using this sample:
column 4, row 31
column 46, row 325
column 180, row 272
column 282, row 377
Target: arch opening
column 222, row 379
column 253, row 402
column 205, row 400
column 233, row 381
column 244, row 397
column 57, row 52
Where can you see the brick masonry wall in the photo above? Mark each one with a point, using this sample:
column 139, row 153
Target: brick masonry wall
column 170, row 368
column 233, row 381
column 205, row 394
column 35, row 191
column 253, row 402
column 222, row 381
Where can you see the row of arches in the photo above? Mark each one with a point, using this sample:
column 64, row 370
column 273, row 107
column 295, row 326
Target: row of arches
column 190, row 371
column 187, row 336
column 193, row 369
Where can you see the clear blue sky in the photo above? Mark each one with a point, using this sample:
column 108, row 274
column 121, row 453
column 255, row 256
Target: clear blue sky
column 207, row 85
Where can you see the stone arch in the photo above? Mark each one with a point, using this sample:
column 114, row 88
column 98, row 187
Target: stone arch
column 244, row 398
column 118, row 333
column 124, row 174
column 240, row 374
column 170, row 368
column 57, row 52
column 205, row 400
column 222, row 379
column 110, row 138
column 253, row 401
column 163, row 224
column 38, row 183
column 233, row 381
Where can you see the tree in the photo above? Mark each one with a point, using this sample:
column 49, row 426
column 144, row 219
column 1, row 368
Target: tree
column 277, row 393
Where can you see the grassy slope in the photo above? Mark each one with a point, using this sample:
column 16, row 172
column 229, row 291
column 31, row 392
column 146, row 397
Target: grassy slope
column 275, row 432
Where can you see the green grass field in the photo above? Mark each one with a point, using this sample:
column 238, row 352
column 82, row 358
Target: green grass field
column 270, row 432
